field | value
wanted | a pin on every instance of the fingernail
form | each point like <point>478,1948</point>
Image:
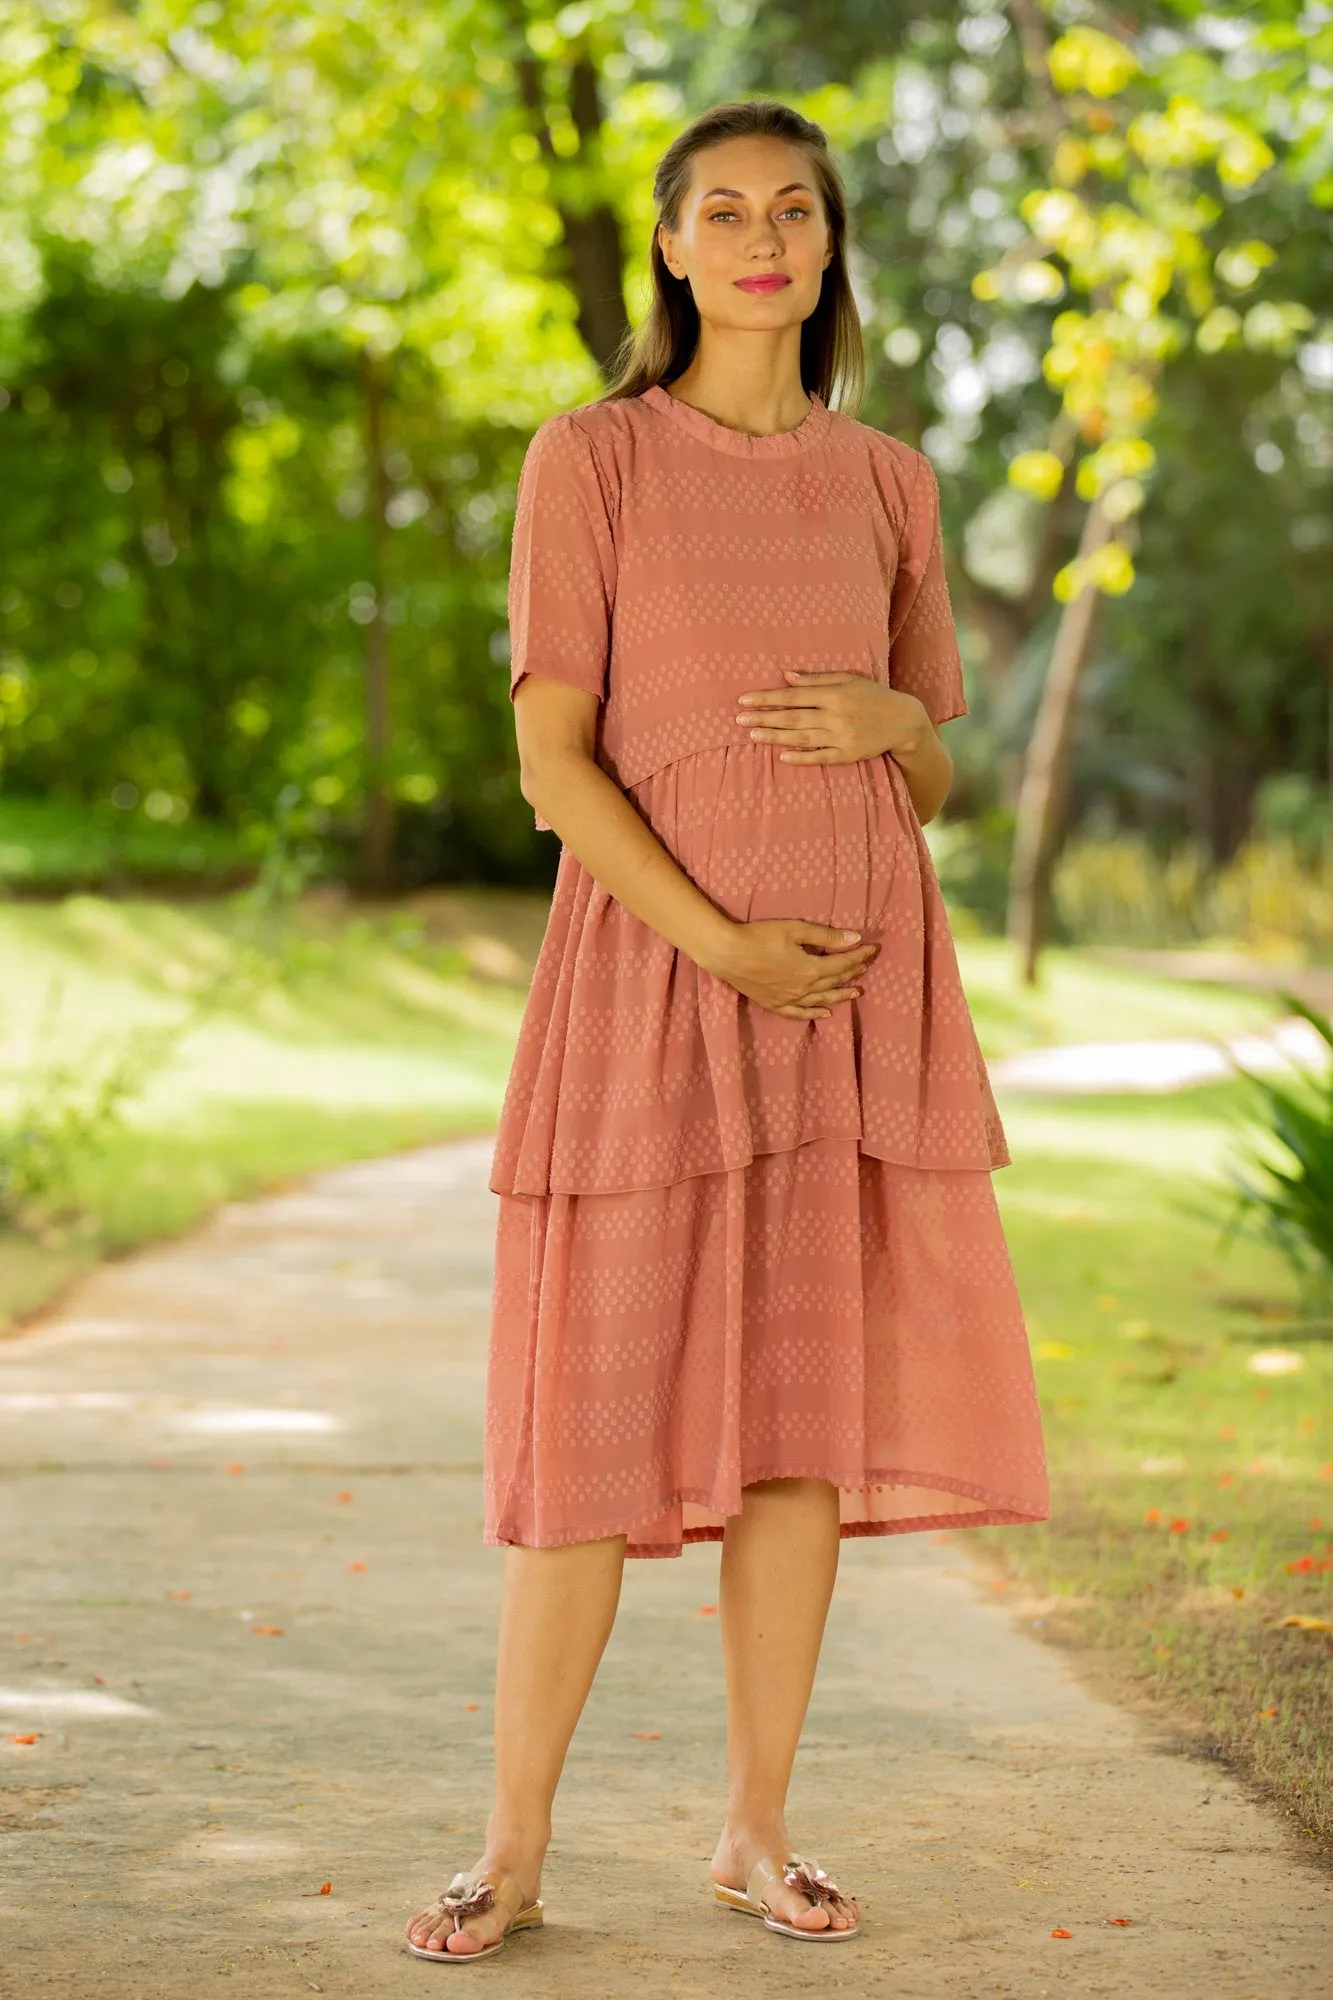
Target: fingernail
<point>851,936</point>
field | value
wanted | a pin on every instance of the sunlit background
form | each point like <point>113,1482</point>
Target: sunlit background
<point>284,291</point>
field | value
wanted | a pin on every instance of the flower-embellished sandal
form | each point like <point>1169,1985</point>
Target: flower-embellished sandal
<point>794,1874</point>
<point>472,1896</point>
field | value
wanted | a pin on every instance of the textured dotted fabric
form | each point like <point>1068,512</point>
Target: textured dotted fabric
<point>733,1246</point>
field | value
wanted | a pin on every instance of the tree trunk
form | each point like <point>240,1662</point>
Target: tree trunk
<point>377,832</point>
<point>593,253</point>
<point>1042,796</point>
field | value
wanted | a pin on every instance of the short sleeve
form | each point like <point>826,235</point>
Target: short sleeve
<point>562,570</point>
<point>923,645</point>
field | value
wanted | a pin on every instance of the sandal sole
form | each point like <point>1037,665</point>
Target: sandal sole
<point>736,1899</point>
<point>530,1919</point>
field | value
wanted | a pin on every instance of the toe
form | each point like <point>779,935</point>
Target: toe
<point>463,1942</point>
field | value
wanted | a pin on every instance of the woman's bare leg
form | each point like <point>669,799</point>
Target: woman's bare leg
<point>556,1615</point>
<point>779,1561</point>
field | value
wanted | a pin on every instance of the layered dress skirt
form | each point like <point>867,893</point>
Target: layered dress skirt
<point>731,1246</point>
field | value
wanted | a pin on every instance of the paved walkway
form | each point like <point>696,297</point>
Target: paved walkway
<point>1083,1069</point>
<point>249,1622</point>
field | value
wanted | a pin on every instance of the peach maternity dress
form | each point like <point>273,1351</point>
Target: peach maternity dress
<point>732,1246</point>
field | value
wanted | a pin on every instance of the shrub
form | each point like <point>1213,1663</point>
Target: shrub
<point>1284,1183</point>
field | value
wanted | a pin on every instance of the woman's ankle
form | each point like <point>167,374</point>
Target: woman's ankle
<point>517,1840</point>
<point>748,1832</point>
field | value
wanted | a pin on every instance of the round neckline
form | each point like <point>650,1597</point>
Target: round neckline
<point>721,437</point>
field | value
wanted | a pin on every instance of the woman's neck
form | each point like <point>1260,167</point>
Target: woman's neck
<point>761,396</point>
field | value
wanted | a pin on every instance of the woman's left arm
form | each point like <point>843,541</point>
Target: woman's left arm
<point>923,761</point>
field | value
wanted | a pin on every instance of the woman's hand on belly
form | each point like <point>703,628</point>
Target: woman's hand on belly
<point>792,967</point>
<point>834,719</point>
<point>842,718</point>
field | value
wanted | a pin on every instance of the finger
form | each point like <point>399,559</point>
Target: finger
<point>825,679</point>
<point>798,736</point>
<point>818,757</point>
<point>795,1013</point>
<point>838,964</point>
<point>778,716</point>
<point>771,698</point>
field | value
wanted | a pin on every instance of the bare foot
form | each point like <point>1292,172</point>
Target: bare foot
<point>517,1883</point>
<point>739,1849</point>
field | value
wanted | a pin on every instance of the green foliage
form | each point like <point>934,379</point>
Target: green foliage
<point>1284,1188</point>
<point>1275,893</point>
<point>65,1107</point>
<point>971,858</point>
<point>49,846</point>
<point>219,228</point>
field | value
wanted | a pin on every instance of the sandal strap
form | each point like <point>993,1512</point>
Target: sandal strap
<point>474,1895</point>
<point>795,1873</point>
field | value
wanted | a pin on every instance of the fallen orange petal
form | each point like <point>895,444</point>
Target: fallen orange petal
<point>326,1888</point>
<point>343,1498</point>
<point>98,1681</point>
<point>1221,1535</point>
<point>26,1739</point>
<point>647,1736</point>
<point>1062,1934</point>
<point>356,1566</point>
<point>473,1705</point>
<point>235,1470</point>
<point>708,1611</point>
<point>179,1595</point>
<point>267,1631</point>
<point>1120,1920</point>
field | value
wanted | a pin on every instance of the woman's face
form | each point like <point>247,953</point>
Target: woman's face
<point>752,216</point>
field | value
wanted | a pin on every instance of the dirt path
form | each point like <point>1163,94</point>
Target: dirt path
<point>196,1778</point>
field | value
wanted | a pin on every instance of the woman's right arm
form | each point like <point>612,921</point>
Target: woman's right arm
<point>770,961</point>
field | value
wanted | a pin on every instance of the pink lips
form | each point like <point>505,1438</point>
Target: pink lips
<point>773,283</point>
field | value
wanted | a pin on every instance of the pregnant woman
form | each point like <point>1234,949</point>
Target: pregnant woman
<point>750,1280</point>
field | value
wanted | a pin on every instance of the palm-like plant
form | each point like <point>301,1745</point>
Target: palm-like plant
<point>1284,1192</point>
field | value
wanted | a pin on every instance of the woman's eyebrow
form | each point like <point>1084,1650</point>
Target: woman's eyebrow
<point>790,188</point>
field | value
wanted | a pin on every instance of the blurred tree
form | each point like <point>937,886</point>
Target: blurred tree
<point>283,291</point>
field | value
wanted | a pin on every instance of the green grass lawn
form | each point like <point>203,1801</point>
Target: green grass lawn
<point>1193,1498</point>
<point>340,1035</point>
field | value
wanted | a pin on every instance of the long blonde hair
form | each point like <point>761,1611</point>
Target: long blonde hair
<point>662,347</point>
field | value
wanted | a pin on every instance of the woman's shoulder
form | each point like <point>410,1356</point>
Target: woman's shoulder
<point>881,447</point>
<point>901,475</point>
<point>598,425</point>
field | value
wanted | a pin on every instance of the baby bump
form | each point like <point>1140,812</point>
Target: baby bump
<point>762,838</point>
